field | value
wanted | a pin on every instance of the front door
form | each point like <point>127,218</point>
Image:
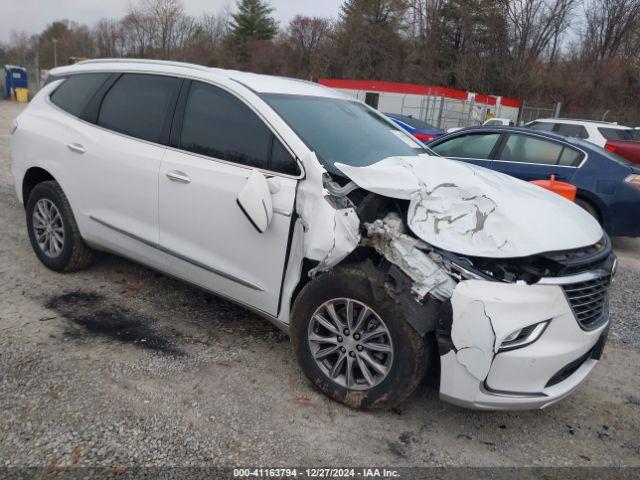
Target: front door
<point>207,237</point>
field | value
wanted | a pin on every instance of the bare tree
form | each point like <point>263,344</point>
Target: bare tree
<point>304,36</point>
<point>610,26</point>
<point>108,37</point>
<point>537,27</point>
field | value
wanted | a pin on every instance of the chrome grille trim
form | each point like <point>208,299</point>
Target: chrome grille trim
<point>588,296</point>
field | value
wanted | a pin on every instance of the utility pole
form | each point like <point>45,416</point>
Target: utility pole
<point>55,52</point>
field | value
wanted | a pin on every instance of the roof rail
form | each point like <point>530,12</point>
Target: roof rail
<point>146,61</point>
<point>585,120</point>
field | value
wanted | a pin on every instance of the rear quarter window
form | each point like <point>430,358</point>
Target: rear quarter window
<point>616,133</point>
<point>76,91</point>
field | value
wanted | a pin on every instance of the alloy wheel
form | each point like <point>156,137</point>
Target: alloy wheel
<point>48,227</point>
<point>350,343</point>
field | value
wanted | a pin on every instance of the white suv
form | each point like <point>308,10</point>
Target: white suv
<point>321,215</point>
<point>595,132</point>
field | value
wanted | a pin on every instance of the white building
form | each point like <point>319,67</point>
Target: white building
<point>440,106</point>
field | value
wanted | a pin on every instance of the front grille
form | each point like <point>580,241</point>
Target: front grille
<point>588,300</point>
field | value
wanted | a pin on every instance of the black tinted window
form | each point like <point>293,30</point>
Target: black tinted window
<point>569,130</point>
<point>545,126</point>
<point>74,93</point>
<point>140,105</point>
<point>219,125</point>
<point>617,133</point>
<point>468,146</point>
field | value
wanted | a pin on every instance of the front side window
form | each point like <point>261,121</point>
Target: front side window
<point>468,146</point>
<point>140,105</point>
<point>525,149</point>
<point>569,130</point>
<point>342,131</point>
<point>74,93</point>
<point>219,125</point>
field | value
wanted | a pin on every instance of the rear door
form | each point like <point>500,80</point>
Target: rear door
<point>531,157</point>
<point>116,162</point>
<point>218,141</point>
<point>475,148</point>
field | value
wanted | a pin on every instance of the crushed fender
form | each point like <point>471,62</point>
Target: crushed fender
<point>387,237</point>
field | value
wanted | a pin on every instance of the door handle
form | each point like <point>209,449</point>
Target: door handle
<point>76,148</point>
<point>178,176</point>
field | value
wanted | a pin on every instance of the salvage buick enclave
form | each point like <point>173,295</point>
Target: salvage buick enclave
<point>320,214</point>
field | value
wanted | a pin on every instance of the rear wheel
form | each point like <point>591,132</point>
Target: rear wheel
<point>53,231</point>
<point>357,349</point>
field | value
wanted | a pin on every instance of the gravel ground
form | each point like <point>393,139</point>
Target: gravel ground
<point>120,366</point>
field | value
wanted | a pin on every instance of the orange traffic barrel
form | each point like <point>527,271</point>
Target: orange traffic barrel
<point>564,189</point>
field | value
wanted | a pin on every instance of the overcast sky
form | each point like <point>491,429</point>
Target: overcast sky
<point>33,16</point>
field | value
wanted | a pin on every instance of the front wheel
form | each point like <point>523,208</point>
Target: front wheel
<point>358,350</point>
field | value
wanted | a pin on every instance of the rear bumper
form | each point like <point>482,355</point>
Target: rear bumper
<point>477,374</point>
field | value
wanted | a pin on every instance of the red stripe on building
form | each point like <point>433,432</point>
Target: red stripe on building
<point>510,102</point>
<point>393,87</point>
<point>485,99</point>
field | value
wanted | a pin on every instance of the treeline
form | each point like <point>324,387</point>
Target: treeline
<point>585,55</point>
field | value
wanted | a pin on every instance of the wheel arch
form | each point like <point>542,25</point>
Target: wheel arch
<point>32,177</point>
<point>593,201</point>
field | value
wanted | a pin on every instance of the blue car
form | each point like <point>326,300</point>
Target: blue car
<point>608,187</point>
<point>419,129</point>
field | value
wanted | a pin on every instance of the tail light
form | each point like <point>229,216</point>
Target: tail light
<point>611,148</point>
<point>424,137</point>
<point>634,181</point>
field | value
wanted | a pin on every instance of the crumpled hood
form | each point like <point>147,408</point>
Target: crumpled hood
<point>474,211</point>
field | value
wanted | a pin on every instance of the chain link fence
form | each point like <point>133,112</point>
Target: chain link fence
<point>442,112</point>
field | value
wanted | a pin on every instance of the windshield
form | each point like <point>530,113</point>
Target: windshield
<point>412,122</point>
<point>342,131</point>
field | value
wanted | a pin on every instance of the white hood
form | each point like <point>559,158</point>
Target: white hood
<point>474,211</point>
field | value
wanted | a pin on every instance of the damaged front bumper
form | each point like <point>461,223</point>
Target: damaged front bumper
<point>480,370</point>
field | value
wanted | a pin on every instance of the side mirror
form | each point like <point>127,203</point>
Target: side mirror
<point>255,201</point>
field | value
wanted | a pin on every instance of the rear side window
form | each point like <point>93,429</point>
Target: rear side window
<point>570,157</point>
<point>544,126</point>
<point>140,106</point>
<point>468,146</point>
<point>74,93</point>
<point>617,133</point>
<point>219,125</point>
<point>525,149</point>
<point>570,130</point>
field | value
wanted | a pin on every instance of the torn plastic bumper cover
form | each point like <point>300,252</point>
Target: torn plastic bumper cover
<point>476,372</point>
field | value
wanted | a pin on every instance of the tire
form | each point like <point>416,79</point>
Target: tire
<point>409,356</point>
<point>65,251</point>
